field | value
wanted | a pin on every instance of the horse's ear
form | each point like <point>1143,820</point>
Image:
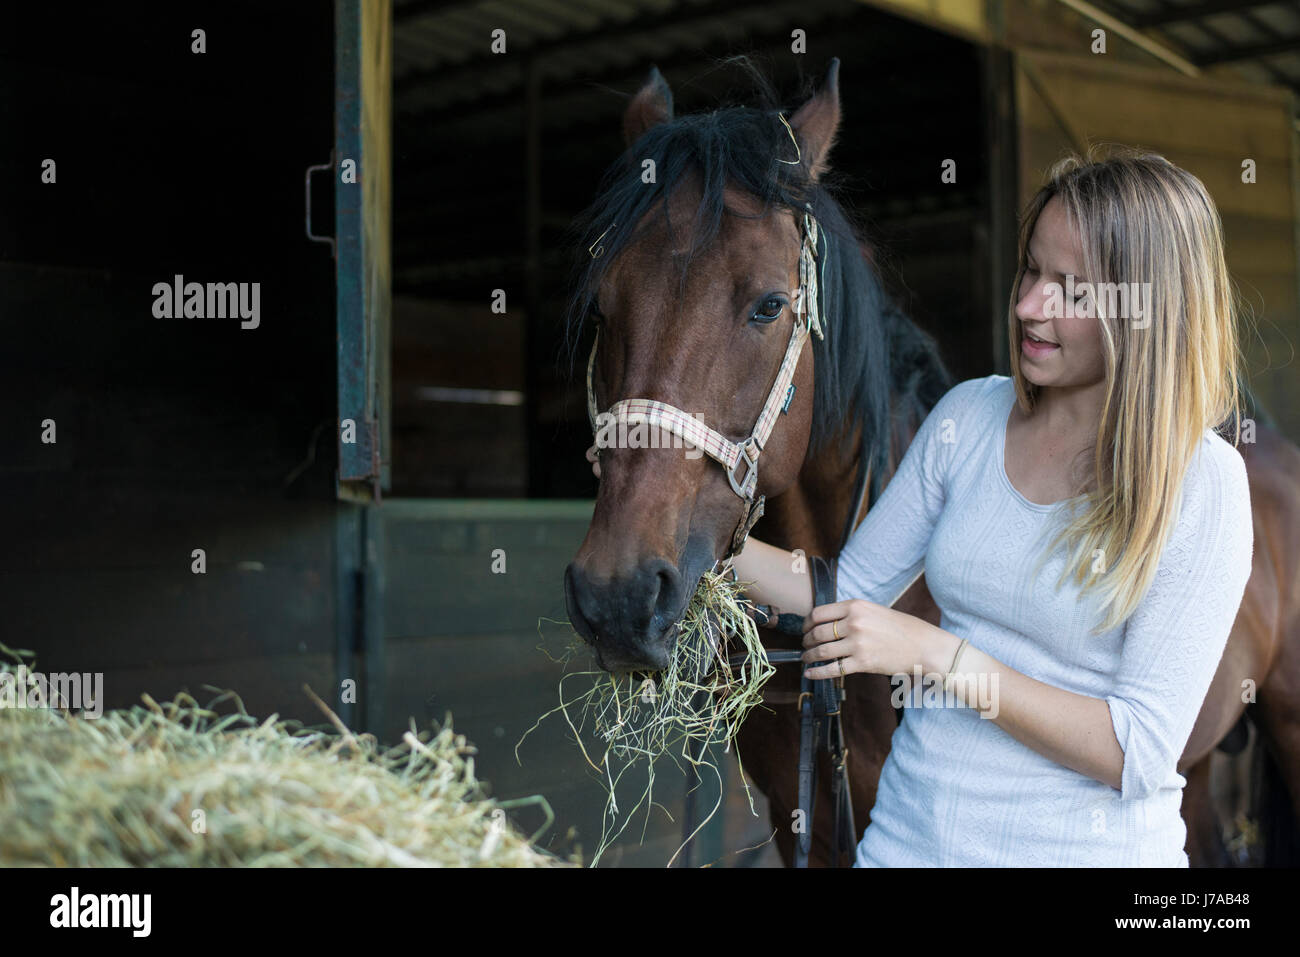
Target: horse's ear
<point>818,121</point>
<point>652,105</point>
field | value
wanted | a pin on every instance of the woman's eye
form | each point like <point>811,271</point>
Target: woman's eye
<point>769,310</point>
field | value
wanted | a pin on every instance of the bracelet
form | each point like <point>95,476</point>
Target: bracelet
<point>948,677</point>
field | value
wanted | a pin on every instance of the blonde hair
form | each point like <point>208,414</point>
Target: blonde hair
<point>1139,218</point>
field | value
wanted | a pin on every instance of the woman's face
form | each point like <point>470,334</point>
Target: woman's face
<point>1070,353</point>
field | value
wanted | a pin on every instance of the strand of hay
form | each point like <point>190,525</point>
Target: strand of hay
<point>699,701</point>
<point>177,785</point>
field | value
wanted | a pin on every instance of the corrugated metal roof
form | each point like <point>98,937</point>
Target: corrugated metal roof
<point>442,55</point>
<point>1259,39</point>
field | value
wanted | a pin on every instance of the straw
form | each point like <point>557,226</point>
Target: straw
<point>697,703</point>
<point>178,785</point>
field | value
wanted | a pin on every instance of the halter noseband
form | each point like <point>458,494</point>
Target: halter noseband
<point>730,455</point>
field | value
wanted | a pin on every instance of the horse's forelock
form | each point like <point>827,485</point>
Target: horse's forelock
<point>740,147</point>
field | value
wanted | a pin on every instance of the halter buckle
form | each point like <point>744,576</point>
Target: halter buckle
<point>745,487</point>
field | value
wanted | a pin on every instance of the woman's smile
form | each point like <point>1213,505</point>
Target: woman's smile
<point>1036,348</point>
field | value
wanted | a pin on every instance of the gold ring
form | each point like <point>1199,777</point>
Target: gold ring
<point>840,661</point>
<point>835,629</point>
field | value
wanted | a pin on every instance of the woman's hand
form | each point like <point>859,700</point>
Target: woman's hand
<point>594,459</point>
<point>871,639</point>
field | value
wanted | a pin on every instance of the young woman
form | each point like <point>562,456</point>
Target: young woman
<point>1085,532</point>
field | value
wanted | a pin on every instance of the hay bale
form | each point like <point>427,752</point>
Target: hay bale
<point>178,785</point>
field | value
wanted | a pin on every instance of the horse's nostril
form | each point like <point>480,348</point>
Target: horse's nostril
<point>667,602</point>
<point>629,621</point>
<point>577,618</point>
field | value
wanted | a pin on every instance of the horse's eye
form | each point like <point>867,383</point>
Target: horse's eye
<point>769,309</point>
<point>596,315</point>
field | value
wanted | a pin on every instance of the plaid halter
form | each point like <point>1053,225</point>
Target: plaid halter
<point>730,455</point>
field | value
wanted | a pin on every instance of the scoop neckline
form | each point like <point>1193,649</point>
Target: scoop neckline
<point>1002,463</point>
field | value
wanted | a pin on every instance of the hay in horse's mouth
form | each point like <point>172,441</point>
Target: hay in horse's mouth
<point>700,700</point>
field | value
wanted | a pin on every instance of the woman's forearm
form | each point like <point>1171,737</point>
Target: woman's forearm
<point>1072,729</point>
<point>780,578</point>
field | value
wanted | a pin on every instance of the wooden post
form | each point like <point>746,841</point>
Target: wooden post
<point>362,222</point>
<point>1003,190</point>
<point>535,355</point>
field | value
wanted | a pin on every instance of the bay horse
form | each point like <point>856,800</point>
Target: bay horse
<point>691,253</point>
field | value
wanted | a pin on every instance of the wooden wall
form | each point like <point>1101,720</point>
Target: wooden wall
<point>911,98</point>
<point>1208,127</point>
<point>457,449</point>
<point>172,434</point>
<point>461,638</point>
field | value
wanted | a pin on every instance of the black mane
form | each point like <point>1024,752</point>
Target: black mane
<point>871,351</point>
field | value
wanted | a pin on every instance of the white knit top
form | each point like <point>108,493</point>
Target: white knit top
<point>957,790</point>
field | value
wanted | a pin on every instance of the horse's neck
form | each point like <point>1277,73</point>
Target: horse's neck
<point>810,515</point>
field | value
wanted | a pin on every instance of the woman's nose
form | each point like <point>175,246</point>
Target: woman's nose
<point>1030,305</point>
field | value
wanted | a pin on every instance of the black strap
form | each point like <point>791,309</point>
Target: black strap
<point>807,773</point>
<point>823,703</point>
<point>767,616</point>
<point>820,700</point>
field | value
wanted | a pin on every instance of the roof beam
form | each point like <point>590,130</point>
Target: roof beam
<point>619,76</point>
<point>419,8</point>
<point>676,18</point>
<point>1192,11</point>
<point>1250,51</point>
<point>1215,34</point>
<point>1126,30</point>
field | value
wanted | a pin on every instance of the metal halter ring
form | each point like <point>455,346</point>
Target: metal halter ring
<point>840,662</point>
<point>749,450</point>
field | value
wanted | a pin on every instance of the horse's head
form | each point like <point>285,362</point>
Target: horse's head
<point>692,281</point>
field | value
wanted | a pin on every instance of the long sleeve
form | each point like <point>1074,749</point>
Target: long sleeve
<point>1174,639</point>
<point>887,551</point>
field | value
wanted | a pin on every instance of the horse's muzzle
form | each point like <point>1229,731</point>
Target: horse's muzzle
<point>631,621</point>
